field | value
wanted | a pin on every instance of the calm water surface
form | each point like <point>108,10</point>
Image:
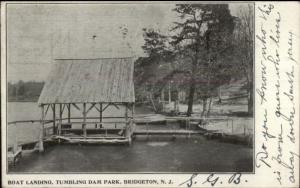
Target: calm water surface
<point>155,154</point>
<point>195,154</point>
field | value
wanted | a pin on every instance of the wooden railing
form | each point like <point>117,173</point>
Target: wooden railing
<point>129,125</point>
<point>73,118</point>
<point>28,121</point>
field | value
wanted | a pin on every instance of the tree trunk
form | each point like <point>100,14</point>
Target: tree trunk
<point>191,99</point>
<point>209,107</point>
<point>219,95</point>
<point>152,102</point>
<point>170,100</point>
<point>162,95</point>
<point>250,99</point>
<point>192,89</point>
<point>204,107</point>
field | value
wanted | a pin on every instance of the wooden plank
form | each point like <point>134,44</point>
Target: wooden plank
<point>28,121</point>
<point>166,132</point>
<point>93,129</point>
<point>92,141</point>
<point>93,122</point>
<point>106,117</point>
<point>91,137</point>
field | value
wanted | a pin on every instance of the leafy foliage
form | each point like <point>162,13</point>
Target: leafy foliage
<point>201,47</point>
<point>24,91</point>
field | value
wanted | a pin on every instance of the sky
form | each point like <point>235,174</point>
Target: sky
<point>39,33</point>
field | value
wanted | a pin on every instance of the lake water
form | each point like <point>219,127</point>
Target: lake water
<point>195,154</point>
<point>27,132</point>
<point>155,154</point>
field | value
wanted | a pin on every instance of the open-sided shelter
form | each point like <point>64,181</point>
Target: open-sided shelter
<point>85,84</point>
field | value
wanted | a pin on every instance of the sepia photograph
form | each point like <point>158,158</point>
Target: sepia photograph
<point>130,88</point>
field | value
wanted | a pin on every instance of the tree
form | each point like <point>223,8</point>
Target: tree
<point>203,35</point>
<point>149,68</point>
<point>199,46</point>
<point>155,44</point>
<point>243,40</point>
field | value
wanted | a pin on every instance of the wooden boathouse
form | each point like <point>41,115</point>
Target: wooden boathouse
<point>84,85</point>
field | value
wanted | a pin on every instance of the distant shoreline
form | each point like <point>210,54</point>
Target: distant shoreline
<point>21,100</point>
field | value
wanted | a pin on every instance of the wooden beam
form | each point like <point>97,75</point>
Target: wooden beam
<point>47,109</point>
<point>129,106</point>
<point>84,120</point>
<point>98,108</point>
<point>54,119</point>
<point>126,120</point>
<point>69,113</point>
<point>133,109</point>
<point>106,107</point>
<point>60,119</point>
<point>41,136</point>
<point>76,106</point>
<point>90,108</point>
<point>63,108</point>
<point>115,105</point>
<point>126,112</point>
<point>101,111</point>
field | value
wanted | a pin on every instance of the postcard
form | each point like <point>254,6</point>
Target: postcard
<point>150,94</point>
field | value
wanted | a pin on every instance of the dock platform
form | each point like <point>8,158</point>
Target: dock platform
<point>167,132</point>
<point>92,139</point>
<point>14,156</point>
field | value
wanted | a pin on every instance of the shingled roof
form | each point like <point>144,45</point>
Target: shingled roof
<point>89,81</point>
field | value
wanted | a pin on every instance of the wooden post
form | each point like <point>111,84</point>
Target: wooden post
<point>232,126</point>
<point>69,113</point>
<point>189,122</point>
<point>60,119</point>
<point>126,112</point>
<point>132,113</point>
<point>41,137</point>
<point>126,120</point>
<point>15,146</point>
<point>84,120</point>
<point>170,100</point>
<point>147,129</point>
<point>100,115</point>
<point>130,132</point>
<point>186,127</point>
<point>54,119</point>
<point>173,130</point>
<point>128,124</point>
<point>227,122</point>
<point>162,95</point>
